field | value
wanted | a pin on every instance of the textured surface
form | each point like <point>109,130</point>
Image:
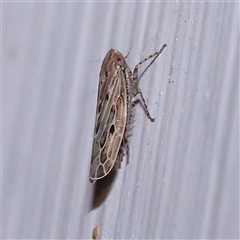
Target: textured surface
<point>183,177</point>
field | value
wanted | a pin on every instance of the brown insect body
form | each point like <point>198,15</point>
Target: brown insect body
<point>117,87</point>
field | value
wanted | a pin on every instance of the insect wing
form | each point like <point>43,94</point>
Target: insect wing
<point>111,115</point>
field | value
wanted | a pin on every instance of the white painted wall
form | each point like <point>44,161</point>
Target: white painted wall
<point>183,177</point>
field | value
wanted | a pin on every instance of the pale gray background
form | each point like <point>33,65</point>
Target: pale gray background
<point>183,177</point>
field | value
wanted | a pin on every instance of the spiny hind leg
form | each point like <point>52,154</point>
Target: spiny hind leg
<point>123,151</point>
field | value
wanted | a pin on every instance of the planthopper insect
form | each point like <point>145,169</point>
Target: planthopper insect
<point>118,86</point>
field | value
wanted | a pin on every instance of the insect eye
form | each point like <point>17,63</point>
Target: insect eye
<point>119,59</point>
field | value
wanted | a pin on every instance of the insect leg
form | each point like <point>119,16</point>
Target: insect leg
<point>135,79</point>
<point>135,90</point>
<point>155,55</point>
<point>145,108</point>
<point>124,150</point>
<point>125,145</point>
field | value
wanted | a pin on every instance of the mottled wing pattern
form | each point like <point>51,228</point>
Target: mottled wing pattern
<point>111,115</point>
<point>118,85</point>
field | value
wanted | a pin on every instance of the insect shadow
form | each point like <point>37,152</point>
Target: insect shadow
<point>102,189</point>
